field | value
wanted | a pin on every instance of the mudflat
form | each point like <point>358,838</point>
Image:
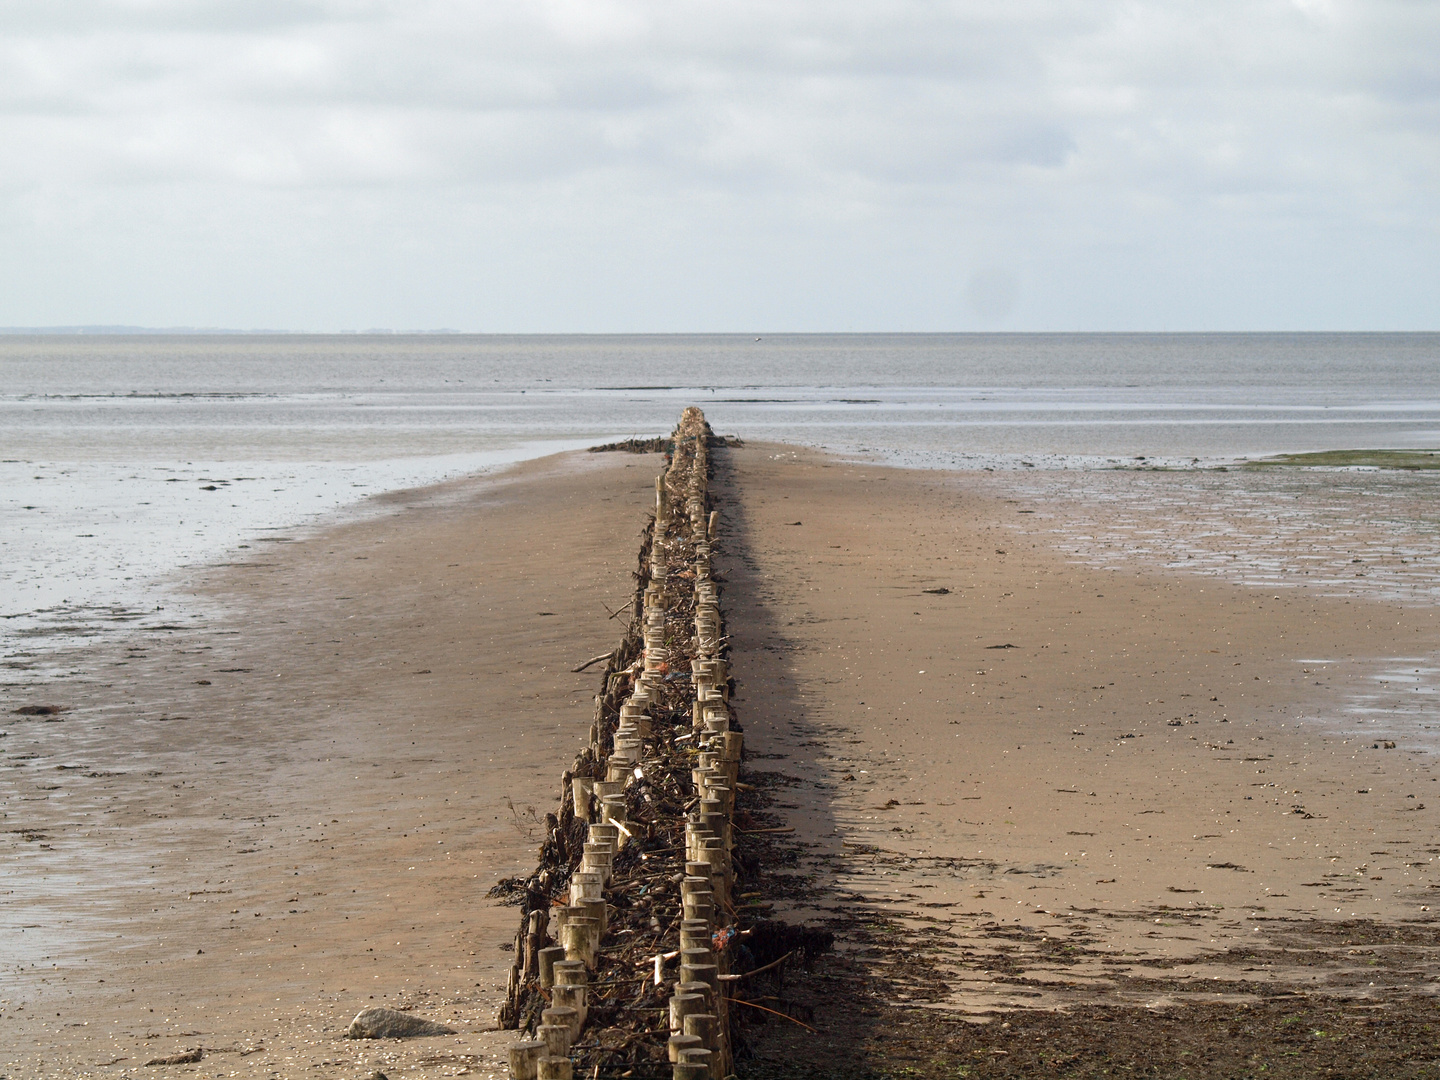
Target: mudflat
<point>235,838</point>
<point>1044,796</point>
<point>1030,795</point>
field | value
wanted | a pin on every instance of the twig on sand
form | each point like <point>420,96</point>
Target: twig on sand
<point>758,971</point>
<point>593,660</point>
<point>762,1008</point>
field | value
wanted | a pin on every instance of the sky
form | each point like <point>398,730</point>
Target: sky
<point>729,165</point>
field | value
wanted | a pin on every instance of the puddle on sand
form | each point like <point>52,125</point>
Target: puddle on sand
<point>60,642</point>
<point>1395,699</point>
<point>1334,532</point>
<point>60,899</point>
<point>1330,532</point>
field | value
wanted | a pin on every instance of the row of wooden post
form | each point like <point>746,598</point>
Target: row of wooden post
<point>698,1043</point>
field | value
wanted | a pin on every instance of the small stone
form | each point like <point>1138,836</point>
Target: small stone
<point>376,1023</point>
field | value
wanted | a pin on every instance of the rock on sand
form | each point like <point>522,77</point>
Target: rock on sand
<point>392,1024</point>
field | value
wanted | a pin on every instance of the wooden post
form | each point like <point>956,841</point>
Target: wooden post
<point>548,956</point>
<point>524,1056</point>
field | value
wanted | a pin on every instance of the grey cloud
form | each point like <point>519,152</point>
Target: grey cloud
<point>83,17</point>
<point>1096,133</point>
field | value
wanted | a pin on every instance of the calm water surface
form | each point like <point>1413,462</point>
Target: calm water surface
<point>125,457</point>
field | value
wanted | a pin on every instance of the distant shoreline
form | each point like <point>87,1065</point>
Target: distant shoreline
<point>125,330</point>
<point>205,331</point>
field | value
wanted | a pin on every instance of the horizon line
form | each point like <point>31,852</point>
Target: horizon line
<point>125,330</point>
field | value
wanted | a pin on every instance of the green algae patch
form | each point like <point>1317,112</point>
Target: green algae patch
<point>1341,459</point>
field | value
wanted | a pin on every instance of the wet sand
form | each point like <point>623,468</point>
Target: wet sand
<point>252,828</point>
<point>238,837</point>
<point>1144,763</point>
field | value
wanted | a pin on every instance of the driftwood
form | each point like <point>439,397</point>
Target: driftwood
<point>592,661</point>
<point>187,1057</point>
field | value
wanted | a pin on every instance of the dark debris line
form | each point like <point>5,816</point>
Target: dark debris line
<point>639,927</point>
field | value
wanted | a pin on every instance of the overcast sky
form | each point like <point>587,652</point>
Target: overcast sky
<point>672,165</point>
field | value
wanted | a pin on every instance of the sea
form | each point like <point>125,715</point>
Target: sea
<point>127,459</point>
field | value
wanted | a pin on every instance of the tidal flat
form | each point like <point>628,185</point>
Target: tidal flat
<point>1062,753</point>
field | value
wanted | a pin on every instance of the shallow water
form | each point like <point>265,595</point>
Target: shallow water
<point>84,542</point>
<point>125,458</point>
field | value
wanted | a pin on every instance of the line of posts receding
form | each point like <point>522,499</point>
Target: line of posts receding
<point>647,806</point>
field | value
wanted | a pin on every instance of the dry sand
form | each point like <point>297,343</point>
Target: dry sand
<point>1059,779</point>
